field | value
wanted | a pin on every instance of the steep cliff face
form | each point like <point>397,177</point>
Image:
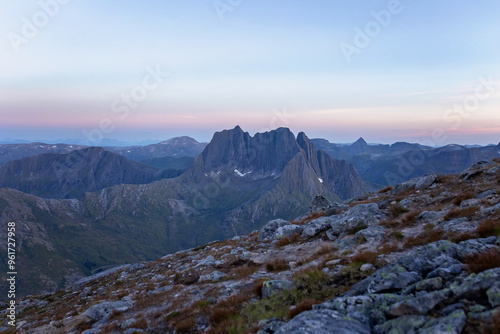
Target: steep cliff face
<point>267,155</point>
<point>71,175</point>
<point>261,155</point>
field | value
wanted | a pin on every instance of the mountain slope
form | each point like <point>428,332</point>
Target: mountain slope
<point>384,165</point>
<point>368,268</point>
<point>71,175</point>
<point>236,185</point>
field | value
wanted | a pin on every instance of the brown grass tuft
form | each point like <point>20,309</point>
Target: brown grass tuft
<point>410,218</point>
<point>489,228</point>
<point>444,178</point>
<point>396,210</point>
<point>304,305</point>
<point>309,218</point>
<point>140,323</point>
<point>484,261</point>
<point>462,197</point>
<point>293,239</point>
<point>277,265</point>
<point>186,325</point>
<point>384,190</point>
<point>425,238</point>
<point>459,213</point>
<point>365,257</point>
<point>244,271</point>
<point>388,248</point>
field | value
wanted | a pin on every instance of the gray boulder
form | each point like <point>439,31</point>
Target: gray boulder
<point>102,311</point>
<point>474,286</point>
<point>392,278</point>
<point>370,309</point>
<point>419,305</point>
<point>214,276</point>
<point>475,246</point>
<point>287,231</point>
<point>430,284</point>
<point>357,218</point>
<point>493,294</point>
<point>269,288</point>
<point>458,225</point>
<point>323,322</point>
<point>408,324</point>
<point>372,234</point>
<point>268,231</point>
<point>316,226</point>
<point>271,326</point>
<point>452,324</point>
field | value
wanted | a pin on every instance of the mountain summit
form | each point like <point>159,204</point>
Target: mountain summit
<point>269,155</point>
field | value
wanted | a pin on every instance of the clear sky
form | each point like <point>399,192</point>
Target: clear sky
<point>418,71</point>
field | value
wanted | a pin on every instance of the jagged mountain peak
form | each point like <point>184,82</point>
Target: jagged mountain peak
<point>359,146</point>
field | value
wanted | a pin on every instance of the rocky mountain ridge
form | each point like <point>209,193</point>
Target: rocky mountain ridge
<point>420,257</point>
<point>385,165</point>
<point>212,200</point>
<point>72,174</point>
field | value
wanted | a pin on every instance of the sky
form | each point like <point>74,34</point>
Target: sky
<point>417,71</point>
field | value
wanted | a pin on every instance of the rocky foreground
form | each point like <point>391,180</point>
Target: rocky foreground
<point>419,257</point>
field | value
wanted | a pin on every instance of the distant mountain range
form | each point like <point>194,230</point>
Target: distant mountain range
<point>175,147</point>
<point>235,185</point>
<point>384,165</point>
<point>81,208</point>
<point>70,175</point>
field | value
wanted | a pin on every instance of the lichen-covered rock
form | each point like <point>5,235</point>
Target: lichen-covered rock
<point>419,305</point>
<point>370,309</point>
<point>426,258</point>
<point>268,231</point>
<point>447,270</point>
<point>346,243</point>
<point>452,324</point>
<point>430,216</point>
<point>319,203</point>
<point>269,288</point>
<point>409,324</point>
<point>493,294</point>
<point>287,231</point>
<point>430,284</point>
<point>323,322</point>
<point>391,278</point>
<point>358,217</point>
<point>316,226</point>
<point>458,225</point>
<point>475,246</point>
<point>473,286</point>
<point>270,326</point>
<point>372,234</point>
